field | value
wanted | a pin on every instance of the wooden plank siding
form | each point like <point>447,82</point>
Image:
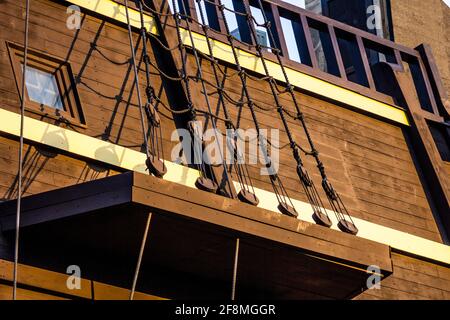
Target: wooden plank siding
<point>413,279</point>
<point>39,284</point>
<point>367,160</point>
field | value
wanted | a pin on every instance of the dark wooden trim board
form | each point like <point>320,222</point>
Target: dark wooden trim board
<point>211,215</point>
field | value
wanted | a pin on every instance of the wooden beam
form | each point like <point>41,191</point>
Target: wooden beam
<point>429,156</point>
<point>196,204</point>
<point>239,217</point>
<point>44,284</point>
<point>281,37</point>
<point>440,92</point>
<point>337,52</point>
<point>365,60</point>
<point>309,41</point>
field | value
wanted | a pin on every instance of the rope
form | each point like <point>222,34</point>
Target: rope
<point>306,182</point>
<point>200,73</point>
<point>136,79</point>
<point>242,171</point>
<point>22,118</point>
<point>333,198</point>
<point>151,111</point>
<point>235,270</point>
<point>185,78</point>
<point>141,254</point>
<point>277,185</point>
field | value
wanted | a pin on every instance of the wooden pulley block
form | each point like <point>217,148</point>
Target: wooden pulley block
<point>248,197</point>
<point>348,227</point>
<point>206,184</point>
<point>322,219</point>
<point>287,210</point>
<point>156,166</point>
<point>153,115</point>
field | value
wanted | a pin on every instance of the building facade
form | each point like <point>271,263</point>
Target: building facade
<point>340,192</point>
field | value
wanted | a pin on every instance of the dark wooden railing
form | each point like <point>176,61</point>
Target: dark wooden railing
<point>348,56</point>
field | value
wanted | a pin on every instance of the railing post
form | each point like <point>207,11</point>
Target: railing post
<point>337,52</point>
<point>365,60</point>
<point>279,30</point>
<point>309,41</point>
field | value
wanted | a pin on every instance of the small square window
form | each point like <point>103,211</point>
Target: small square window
<point>42,88</point>
<point>50,89</point>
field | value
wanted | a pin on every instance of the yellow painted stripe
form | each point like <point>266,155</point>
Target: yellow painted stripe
<point>301,80</point>
<point>95,149</point>
<point>89,147</point>
<point>251,62</point>
<point>117,12</point>
<point>399,240</point>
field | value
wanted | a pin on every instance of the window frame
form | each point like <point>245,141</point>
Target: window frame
<point>72,112</point>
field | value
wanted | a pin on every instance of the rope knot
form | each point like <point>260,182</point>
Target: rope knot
<point>329,190</point>
<point>304,176</point>
<point>296,152</point>
<point>146,58</point>
<point>150,92</point>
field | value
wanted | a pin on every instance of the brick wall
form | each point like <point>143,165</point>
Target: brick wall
<point>424,21</point>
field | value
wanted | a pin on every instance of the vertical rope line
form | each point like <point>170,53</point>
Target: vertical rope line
<point>155,139</point>
<point>184,77</point>
<point>205,93</point>
<point>244,181</point>
<point>335,201</point>
<point>309,184</point>
<point>235,270</point>
<point>136,80</point>
<point>20,173</point>
<point>141,254</point>
<point>274,179</point>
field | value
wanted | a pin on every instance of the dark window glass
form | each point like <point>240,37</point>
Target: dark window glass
<point>295,37</point>
<point>351,57</point>
<point>323,47</point>
<point>441,136</point>
<point>419,82</point>
<point>360,13</point>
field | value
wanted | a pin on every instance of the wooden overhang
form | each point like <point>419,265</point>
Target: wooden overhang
<point>190,251</point>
